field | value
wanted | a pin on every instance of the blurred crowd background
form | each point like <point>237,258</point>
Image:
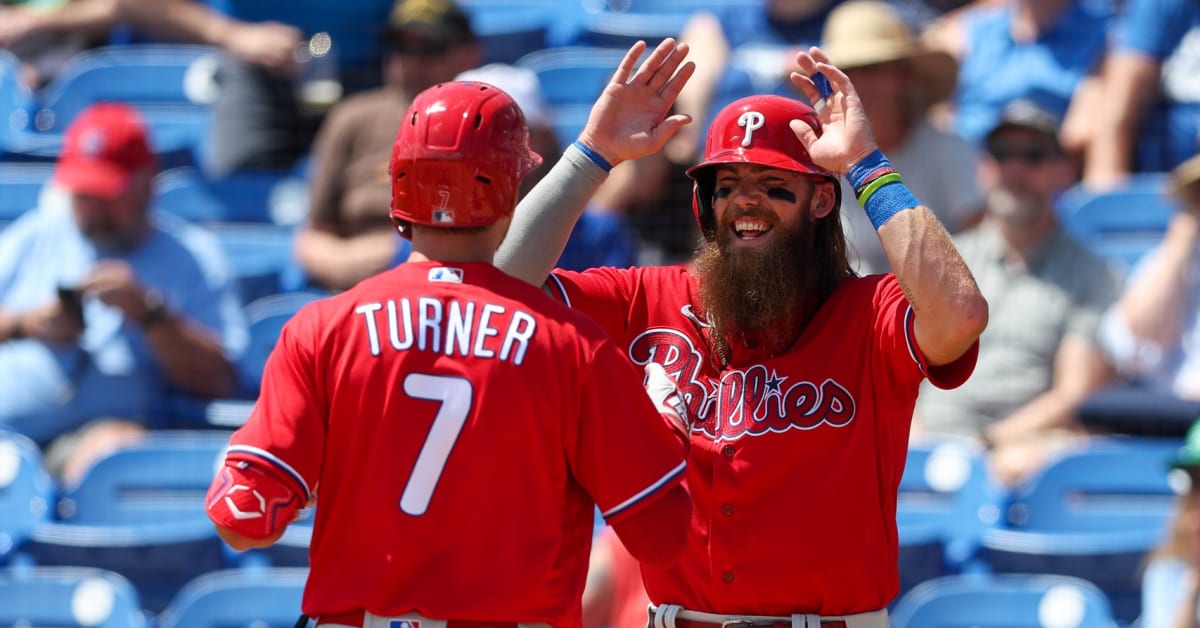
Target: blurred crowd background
<point>178,177</point>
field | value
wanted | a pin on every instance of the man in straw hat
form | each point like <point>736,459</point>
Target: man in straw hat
<point>898,79</point>
<point>1152,333</point>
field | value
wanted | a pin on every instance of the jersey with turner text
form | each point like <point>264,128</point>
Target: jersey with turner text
<point>795,458</point>
<point>456,426</point>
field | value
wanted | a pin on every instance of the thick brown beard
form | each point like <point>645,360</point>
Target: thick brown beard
<point>772,290</point>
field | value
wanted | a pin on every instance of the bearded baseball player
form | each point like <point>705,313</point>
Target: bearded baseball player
<point>456,423</point>
<point>800,377</point>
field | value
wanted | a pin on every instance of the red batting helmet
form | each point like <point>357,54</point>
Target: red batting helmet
<point>459,157</point>
<point>753,130</point>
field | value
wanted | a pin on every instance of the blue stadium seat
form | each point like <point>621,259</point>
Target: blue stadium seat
<point>22,185</point>
<point>622,30</point>
<point>676,6</point>
<point>68,596</point>
<point>266,317</point>
<point>16,106</point>
<point>507,33</point>
<point>983,601</point>
<point>947,498</point>
<point>260,597</point>
<point>140,512</point>
<point>267,197</point>
<point>573,74</point>
<point>1121,224</point>
<point>1092,512</point>
<point>172,85</point>
<point>26,491</point>
<point>259,255</point>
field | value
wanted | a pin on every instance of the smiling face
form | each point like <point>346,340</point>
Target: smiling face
<point>778,251</point>
<point>751,202</point>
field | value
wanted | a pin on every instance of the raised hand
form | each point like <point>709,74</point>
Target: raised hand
<point>846,134</point>
<point>630,120</point>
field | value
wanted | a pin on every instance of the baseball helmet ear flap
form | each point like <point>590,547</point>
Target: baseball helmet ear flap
<point>459,157</point>
<point>753,130</point>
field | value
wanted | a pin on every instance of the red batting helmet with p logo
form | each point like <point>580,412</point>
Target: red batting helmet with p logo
<point>753,130</point>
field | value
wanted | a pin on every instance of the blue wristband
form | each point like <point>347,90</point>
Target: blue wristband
<point>593,155</point>
<point>859,171</point>
<point>888,201</point>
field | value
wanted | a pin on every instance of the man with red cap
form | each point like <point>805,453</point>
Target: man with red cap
<point>800,377</point>
<point>104,305</point>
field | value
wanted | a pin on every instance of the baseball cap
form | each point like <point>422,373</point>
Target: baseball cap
<point>102,149</point>
<point>1028,113</point>
<point>439,21</point>
<point>1189,454</point>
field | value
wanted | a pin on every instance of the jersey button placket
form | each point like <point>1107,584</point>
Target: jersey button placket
<point>727,577</point>
<point>727,510</point>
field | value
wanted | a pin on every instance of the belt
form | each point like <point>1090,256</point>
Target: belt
<point>749,623</point>
<point>736,622</point>
<point>356,618</point>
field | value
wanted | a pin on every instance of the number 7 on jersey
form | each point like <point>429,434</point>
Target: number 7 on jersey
<point>455,395</point>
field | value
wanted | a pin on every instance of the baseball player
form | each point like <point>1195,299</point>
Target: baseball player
<point>799,376</point>
<point>456,423</point>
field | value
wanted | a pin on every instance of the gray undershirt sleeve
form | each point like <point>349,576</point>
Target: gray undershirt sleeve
<point>543,220</point>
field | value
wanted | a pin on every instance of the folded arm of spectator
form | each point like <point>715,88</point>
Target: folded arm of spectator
<point>269,44</point>
<point>1129,83</point>
<point>87,17</point>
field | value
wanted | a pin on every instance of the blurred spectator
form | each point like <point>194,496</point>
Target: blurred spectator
<point>1150,119</point>
<point>349,235</point>
<point>759,41</point>
<point>898,79</point>
<point>1171,581</point>
<point>1039,356</point>
<point>615,595</point>
<point>105,307</point>
<point>1152,334</point>
<point>288,62</point>
<point>1007,50</point>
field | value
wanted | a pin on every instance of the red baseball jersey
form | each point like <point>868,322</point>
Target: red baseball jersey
<point>796,458</point>
<point>456,425</point>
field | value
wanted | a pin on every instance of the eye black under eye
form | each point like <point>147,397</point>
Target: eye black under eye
<point>781,194</point>
<point>723,192</point>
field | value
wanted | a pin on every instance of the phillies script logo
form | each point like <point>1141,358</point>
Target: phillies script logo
<point>754,401</point>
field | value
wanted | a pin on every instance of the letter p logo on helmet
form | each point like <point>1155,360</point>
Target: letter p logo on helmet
<point>751,121</point>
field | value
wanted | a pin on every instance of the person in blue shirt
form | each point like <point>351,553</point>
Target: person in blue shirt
<point>1008,50</point>
<point>105,307</point>
<point>1150,121</point>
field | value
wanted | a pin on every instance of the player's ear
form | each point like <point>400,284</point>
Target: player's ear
<point>824,197</point>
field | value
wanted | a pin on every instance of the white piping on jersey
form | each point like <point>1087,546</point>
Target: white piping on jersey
<point>276,461</point>
<point>686,310</point>
<point>908,338</point>
<point>646,491</point>
<point>562,290</point>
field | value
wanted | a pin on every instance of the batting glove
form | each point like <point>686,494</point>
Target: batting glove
<point>667,399</point>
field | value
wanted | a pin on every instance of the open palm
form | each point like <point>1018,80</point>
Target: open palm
<point>630,120</point>
<point>846,134</point>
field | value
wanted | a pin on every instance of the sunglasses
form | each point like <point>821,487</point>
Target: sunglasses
<point>1032,154</point>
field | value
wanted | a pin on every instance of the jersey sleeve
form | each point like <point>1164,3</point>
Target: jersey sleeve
<point>286,429</point>
<point>621,450</point>
<point>603,294</point>
<point>894,320</point>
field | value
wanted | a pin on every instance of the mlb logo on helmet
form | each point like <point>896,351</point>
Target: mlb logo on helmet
<point>404,623</point>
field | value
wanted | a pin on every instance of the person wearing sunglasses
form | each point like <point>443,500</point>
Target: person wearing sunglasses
<point>1039,357</point>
